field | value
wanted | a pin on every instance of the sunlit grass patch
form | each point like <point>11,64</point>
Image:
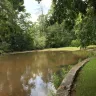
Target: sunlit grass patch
<point>63,49</point>
<point>92,46</point>
<point>68,48</point>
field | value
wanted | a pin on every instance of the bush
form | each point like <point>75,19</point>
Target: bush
<point>4,47</point>
<point>39,43</point>
<point>75,43</point>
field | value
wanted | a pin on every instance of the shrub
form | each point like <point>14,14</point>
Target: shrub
<point>75,43</point>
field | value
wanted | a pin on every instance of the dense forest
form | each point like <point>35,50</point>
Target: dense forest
<point>68,23</point>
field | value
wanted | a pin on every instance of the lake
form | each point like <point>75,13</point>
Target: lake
<point>30,74</point>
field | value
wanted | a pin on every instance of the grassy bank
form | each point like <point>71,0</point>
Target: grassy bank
<point>44,50</point>
<point>85,84</point>
<point>73,49</point>
<point>68,48</point>
<point>63,49</point>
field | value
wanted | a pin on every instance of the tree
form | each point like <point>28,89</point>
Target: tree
<point>14,27</point>
<point>59,36</point>
<point>85,29</point>
<point>6,22</point>
<point>17,5</point>
<point>69,10</point>
<point>21,38</point>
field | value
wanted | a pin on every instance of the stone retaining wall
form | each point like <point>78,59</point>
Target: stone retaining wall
<point>65,87</point>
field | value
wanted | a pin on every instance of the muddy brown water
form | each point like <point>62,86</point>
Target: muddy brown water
<point>30,74</point>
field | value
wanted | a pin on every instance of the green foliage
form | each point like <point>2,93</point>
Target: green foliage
<point>4,47</point>
<point>58,36</point>
<point>38,32</point>
<point>59,75</point>
<point>85,29</point>
<point>79,16</point>
<point>69,9</point>
<point>75,43</point>
<point>39,42</point>
<point>14,27</point>
<point>20,42</point>
<point>17,5</point>
<point>68,23</point>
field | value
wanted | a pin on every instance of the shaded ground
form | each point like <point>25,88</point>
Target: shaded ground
<point>85,83</point>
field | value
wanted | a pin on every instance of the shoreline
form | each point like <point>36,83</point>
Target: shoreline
<point>65,87</point>
<point>45,50</point>
<point>72,49</point>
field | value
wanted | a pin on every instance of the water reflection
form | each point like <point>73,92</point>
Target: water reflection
<point>30,74</point>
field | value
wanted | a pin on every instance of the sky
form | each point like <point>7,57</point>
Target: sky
<point>34,8</point>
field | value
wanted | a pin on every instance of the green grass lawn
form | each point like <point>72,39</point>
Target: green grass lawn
<point>63,49</point>
<point>86,80</point>
<point>67,48</point>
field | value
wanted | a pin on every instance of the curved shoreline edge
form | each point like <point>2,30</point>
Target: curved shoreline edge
<point>66,85</point>
<point>44,50</point>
